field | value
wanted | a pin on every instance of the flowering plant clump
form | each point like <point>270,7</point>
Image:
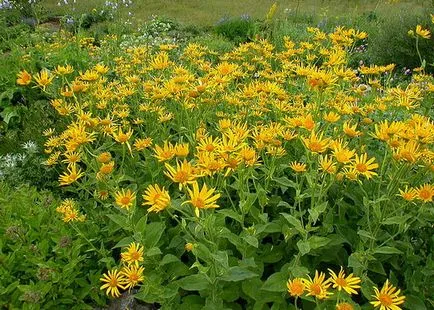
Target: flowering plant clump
<point>228,178</point>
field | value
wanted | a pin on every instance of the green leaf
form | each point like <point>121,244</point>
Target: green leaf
<point>397,220</point>
<point>141,224</point>
<point>236,273</point>
<point>153,251</point>
<point>285,182</point>
<point>387,250</point>
<point>153,233</point>
<point>195,282</point>
<point>294,222</point>
<point>231,214</point>
<point>276,282</point>
<point>303,247</point>
<point>252,240</point>
<point>316,242</point>
<point>120,220</point>
<point>123,242</point>
<point>415,302</point>
<point>169,258</point>
<point>8,113</point>
<point>316,211</point>
<point>365,234</point>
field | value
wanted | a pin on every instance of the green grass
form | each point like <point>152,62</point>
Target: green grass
<point>201,12</point>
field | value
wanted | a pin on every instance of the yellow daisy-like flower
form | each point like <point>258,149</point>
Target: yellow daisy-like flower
<point>44,78</point>
<point>157,198</point>
<point>134,254</point>
<point>344,306</point>
<point>363,166</point>
<point>295,287</point>
<point>71,175</point>
<point>184,173</point>
<point>297,167</point>
<point>423,33</point>
<point>425,192</point>
<point>388,297</point>
<point>408,194</point>
<point>125,199</point>
<point>164,153</point>
<point>114,280</point>
<point>318,286</point>
<point>24,78</point>
<point>202,199</point>
<point>133,275</point>
<point>349,284</point>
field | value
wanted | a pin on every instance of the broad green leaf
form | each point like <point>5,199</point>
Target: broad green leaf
<point>169,258</point>
<point>236,273</point>
<point>231,214</point>
<point>152,251</point>
<point>252,240</point>
<point>294,222</point>
<point>124,242</point>
<point>195,282</point>
<point>153,233</point>
<point>120,220</point>
<point>276,282</point>
<point>303,247</point>
<point>415,302</point>
<point>316,242</point>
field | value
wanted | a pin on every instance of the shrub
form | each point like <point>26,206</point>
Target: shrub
<point>239,29</point>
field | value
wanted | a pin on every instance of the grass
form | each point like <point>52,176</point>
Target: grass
<point>208,12</point>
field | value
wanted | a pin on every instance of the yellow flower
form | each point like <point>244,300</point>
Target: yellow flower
<point>315,143</point>
<point>133,275</point>
<point>134,254</point>
<point>295,287</point>
<point>388,297</point>
<point>344,306</point>
<point>342,154</point>
<point>348,284</point>
<point>423,33</point>
<point>125,199</point>
<point>156,197</point>
<point>181,150</point>
<point>297,167</point>
<point>364,166</point>
<point>351,130</point>
<point>62,70</point>
<point>70,176</point>
<point>408,194</point>
<point>184,173</point>
<point>327,164</point>
<point>318,286</point>
<point>189,247</point>
<point>425,192</point>
<point>164,153</point>
<point>107,168</point>
<point>202,199</point>
<point>24,78</point>
<point>122,137</point>
<point>113,281</point>
<point>44,78</point>
<point>104,157</point>
<point>141,144</point>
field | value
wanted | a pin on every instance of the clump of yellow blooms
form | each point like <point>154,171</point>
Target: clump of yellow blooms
<point>157,125</point>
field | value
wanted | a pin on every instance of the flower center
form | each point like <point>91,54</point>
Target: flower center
<point>125,200</point>
<point>341,282</point>
<point>315,289</point>
<point>361,167</point>
<point>385,300</point>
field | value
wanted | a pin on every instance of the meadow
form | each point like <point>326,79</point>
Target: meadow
<point>216,155</point>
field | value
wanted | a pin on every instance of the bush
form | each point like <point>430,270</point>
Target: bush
<point>239,30</point>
